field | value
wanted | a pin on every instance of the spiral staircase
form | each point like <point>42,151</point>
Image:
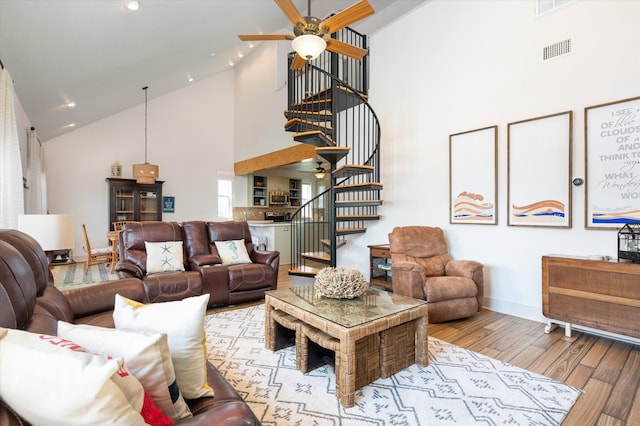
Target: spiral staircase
<point>328,108</point>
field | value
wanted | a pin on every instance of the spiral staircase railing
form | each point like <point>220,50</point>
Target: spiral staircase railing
<point>328,107</point>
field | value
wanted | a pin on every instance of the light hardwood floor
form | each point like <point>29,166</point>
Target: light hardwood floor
<point>607,370</point>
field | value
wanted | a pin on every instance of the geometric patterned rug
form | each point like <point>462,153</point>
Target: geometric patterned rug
<point>458,387</point>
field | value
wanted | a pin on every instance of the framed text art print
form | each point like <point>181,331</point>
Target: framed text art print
<point>539,171</point>
<point>612,169</point>
<point>473,179</point>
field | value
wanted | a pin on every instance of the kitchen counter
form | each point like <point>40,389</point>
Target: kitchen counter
<point>276,234</point>
<point>265,223</point>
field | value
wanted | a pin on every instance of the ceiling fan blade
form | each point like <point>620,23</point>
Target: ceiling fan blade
<point>290,10</point>
<point>348,16</point>
<point>260,37</point>
<point>298,62</point>
<point>337,46</point>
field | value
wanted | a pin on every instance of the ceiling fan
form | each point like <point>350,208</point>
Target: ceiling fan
<point>320,171</point>
<point>308,31</point>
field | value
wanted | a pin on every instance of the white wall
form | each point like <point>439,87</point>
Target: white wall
<point>190,136</point>
<point>469,64</point>
<point>448,67</point>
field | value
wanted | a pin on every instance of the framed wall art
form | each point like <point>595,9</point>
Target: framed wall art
<point>612,169</point>
<point>473,179</point>
<point>539,171</point>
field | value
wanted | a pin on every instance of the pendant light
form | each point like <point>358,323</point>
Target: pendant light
<point>145,173</point>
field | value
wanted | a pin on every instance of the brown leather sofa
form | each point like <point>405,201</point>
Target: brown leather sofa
<point>204,271</point>
<point>29,301</point>
<point>423,268</point>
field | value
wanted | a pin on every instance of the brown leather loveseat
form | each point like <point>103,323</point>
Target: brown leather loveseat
<point>204,271</point>
<point>30,302</point>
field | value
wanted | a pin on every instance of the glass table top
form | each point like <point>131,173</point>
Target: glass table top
<point>373,305</point>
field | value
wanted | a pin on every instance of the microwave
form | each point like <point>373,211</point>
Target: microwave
<point>278,197</point>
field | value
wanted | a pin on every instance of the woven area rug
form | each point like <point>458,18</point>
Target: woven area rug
<point>73,276</point>
<point>459,387</point>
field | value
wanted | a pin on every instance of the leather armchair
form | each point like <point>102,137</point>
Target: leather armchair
<point>160,287</point>
<point>229,284</point>
<point>423,268</point>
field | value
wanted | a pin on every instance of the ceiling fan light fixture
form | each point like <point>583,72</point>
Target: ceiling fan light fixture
<point>309,46</point>
<point>320,171</point>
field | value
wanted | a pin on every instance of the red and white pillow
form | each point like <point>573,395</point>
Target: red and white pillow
<point>49,380</point>
<point>146,355</point>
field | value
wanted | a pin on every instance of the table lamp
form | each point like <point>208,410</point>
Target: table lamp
<point>54,232</point>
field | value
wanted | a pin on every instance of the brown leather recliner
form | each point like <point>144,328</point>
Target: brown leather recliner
<point>423,268</point>
<point>29,301</point>
<point>163,286</point>
<point>229,284</point>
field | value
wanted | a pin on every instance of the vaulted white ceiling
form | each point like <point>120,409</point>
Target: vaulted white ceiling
<point>99,55</point>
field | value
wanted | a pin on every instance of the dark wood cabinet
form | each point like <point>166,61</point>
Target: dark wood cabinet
<point>129,200</point>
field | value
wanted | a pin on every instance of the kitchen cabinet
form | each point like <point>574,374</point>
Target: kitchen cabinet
<point>129,200</point>
<point>258,190</point>
<point>295,192</point>
<point>282,236</point>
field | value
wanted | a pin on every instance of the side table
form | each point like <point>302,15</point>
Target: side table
<point>380,266</point>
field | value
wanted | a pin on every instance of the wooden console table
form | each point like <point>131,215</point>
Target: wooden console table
<point>603,295</point>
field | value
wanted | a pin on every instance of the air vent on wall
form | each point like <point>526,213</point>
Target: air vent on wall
<point>555,50</point>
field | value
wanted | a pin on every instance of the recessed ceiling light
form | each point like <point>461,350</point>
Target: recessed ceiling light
<point>230,63</point>
<point>190,79</point>
<point>133,5</point>
<point>250,45</point>
<point>212,54</point>
<point>71,125</point>
<point>240,55</point>
<point>71,104</point>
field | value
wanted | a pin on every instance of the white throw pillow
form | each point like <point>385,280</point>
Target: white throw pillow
<point>51,381</point>
<point>183,323</point>
<point>164,257</point>
<point>232,252</point>
<point>146,355</point>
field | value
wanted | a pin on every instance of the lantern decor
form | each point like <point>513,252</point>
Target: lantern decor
<point>340,283</point>
<point>629,242</point>
<point>145,173</point>
<point>116,169</point>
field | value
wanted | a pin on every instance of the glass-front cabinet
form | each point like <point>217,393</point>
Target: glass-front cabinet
<point>129,200</point>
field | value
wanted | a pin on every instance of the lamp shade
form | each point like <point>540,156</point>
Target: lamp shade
<point>309,46</point>
<point>51,231</point>
<point>145,173</point>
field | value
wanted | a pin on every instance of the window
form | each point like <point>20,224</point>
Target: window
<point>306,193</point>
<point>225,198</point>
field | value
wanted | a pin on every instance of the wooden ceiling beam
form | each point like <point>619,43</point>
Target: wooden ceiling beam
<point>279,158</point>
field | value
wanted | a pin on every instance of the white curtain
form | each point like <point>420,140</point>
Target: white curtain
<point>11,186</point>
<point>36,178</point>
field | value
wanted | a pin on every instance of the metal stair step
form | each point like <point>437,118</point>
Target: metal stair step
<point>311,115</point>
<point>356,217</point>
<point>317,256</point>
<point>349,231</point>
<point>304,271</point>
<point>358,203</point>
<point>348,170</point>
<point>366,186</point>
<point>298,125</point>
<point>327,243</point>
<point>333,154</point>
<point>315,138</point>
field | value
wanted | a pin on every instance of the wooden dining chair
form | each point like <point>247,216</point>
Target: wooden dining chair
<point>119,224</point>
<point>95,256</point>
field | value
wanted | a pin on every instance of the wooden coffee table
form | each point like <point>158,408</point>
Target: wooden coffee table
<point>375,335</point>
